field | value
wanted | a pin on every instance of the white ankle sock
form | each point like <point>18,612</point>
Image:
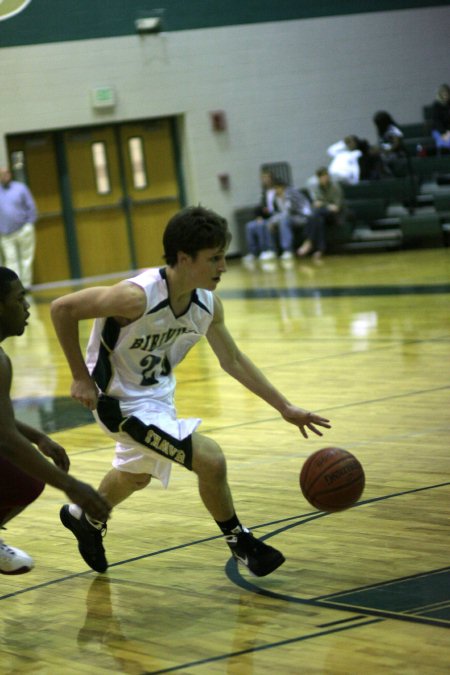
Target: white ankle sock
<point>75,511</point>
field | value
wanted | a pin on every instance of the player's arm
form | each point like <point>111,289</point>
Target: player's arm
<point>18,448</point>
<point>29,206</point>
<point>239,366</point>
<point>46,445</point>
<point>124,301</point>
<point>16,438</point>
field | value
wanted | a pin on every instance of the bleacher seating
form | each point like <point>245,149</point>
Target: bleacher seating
<point>441,200</point>
<point>429,168</point>
<point>411,208</point>
<point>367,210</point>
<point>415,130</point>
<point>417,198</point>
<point>417,139</point>
<point>421,229</point>
<point>393,190</point>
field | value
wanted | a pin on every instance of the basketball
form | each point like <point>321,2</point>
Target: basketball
<point>332,479</point>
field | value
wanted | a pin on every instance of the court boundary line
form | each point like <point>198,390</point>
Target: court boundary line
<point>300,519</point>
<point>259,648</point>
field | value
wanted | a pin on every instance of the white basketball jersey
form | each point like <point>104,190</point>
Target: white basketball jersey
<point>135,361</point>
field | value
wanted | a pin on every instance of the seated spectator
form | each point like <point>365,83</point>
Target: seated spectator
<point>344,166</point>
<point>293,209</point>
<point>328,202</point>
<point>440,120</point>
<point>390,141</point>
<point>370,164</point>
<point>257,234</point>
<point>354,159</point>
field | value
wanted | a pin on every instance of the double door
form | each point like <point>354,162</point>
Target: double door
<point>104,195</point>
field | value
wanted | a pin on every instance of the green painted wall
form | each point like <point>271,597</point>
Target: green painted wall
<point>59,20</point>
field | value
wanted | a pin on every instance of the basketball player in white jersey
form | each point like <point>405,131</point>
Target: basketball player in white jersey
<point>143,328</point>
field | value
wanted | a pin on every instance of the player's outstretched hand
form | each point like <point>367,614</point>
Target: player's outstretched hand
<point>56,452</point>
<point>304,419</point>
<point>89,500</point>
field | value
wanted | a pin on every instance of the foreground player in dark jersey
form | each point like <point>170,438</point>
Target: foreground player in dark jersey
<point>23,468</point>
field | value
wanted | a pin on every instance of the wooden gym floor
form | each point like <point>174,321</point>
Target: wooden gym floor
<point>365,340</point>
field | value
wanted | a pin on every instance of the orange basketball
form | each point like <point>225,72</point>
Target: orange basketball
<point>332,479</point>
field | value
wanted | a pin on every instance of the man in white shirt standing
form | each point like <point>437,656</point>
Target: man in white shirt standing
<point>17,235</point>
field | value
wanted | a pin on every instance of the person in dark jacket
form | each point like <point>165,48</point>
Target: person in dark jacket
<point>327,207</point>
<point>390,140</point>
<point>440,117</point>
<point>257,235</point>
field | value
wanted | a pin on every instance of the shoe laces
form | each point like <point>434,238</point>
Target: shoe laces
<point>4,546</point>
<point>99,532</point>
<point>94,525</point>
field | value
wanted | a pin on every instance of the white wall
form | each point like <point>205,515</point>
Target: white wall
<point>289,89</point>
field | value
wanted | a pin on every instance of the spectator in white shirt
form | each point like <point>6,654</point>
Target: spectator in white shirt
<point>344,166</point>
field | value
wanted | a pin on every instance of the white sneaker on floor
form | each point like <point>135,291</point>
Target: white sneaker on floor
<point>287,255</point>
<point>13,560</point>
<point>268,266</point>
<point>267,255</point>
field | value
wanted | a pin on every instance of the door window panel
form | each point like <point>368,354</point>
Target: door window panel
<point>137,162</point>
<point>101,171</point>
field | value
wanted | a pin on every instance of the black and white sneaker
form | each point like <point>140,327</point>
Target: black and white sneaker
<point>258,557</point>
<point>90,544</point>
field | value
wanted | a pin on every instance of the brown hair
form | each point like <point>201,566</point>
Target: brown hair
<point>193,229</point>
